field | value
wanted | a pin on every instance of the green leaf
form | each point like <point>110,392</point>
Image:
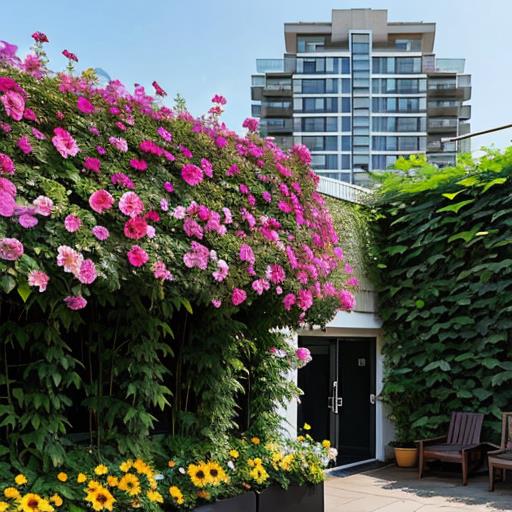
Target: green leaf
<point>396,249</point>
<point>7,283</point>
<point>496,181</point>
<point>24,292</point>
<point>187,305</point>
<point>455,207</point>
<point>469,182</point>
<point>451,196</point>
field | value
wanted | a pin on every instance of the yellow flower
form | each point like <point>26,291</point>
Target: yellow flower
<point>130,484</point>
<point>4,506</point>
<point>326,443</point>
<point>34,503</point>
<point>81,478</point>
<point>176,494</point>
<point>254,462</point>
<point>234,454</point>
<point>11,493</point>
<point>198,475</point>
<point>62,476</point>
<point>258,474</point>
<point>20,479</point>
<point>126,465</point>
<point>112,481</point>
<point>205,495</point>
<point>171,463</point>
<point>92,485</point>
<point>255,440</point>
<point>56,500</point>
<point>286,463</point>
<point>101,470</point>
<point>216,473</point>
<point>142,468</point>
<point>307,426</point>
<point>100,498</point>
<point>155,497</point>
<point>300,439</point>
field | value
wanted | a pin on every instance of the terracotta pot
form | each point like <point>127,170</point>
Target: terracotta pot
<point>406,457</point>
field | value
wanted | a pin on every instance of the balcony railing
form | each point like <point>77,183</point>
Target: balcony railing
<point>451,65</point>
<point>286,65</point>
<point>442,123</point>
<point>344,191</point>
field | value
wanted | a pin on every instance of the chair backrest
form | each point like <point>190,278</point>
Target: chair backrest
<point>465,428</point>
<point>506,430</point>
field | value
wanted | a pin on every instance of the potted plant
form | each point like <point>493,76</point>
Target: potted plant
<point>406,451</point>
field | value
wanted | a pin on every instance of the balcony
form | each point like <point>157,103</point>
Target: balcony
<point>458,87</point>
<point>286,65</point>
<point>449,108</point>
<point>276,126</point>
<point>275,111</point>
<point>465,112</point>
<point>256,93</point>
<point>435,146</point>
<point>277,89</point>
<point>442,125</point>
<point>450,65</point>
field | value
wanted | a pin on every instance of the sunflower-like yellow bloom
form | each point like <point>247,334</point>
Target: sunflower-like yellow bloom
<point>286,462</point>
<point>143,468</point>
<point>198,474</point>
<point>56,500</point>
<point>100,498</point>
<point>81,478</point>
<point>326,443</point>
<point>31,502</point>
<point>20,479</point>
<point>126,465</point>
<point>130,483</point>
<point>258,474</point>
<point>234,454</point>
<point>307,426</point>
<point>4,506</point>
<point>155,497</point>
<point>112,481</point>
<point>101,469</point>
<point>11,493</point>
<point>176,495</point>
<point>216,473</point>
<point>255,440</point>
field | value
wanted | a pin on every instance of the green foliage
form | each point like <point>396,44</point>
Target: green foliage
<point>446,291</point>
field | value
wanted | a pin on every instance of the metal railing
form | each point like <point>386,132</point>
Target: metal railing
<point>344,191</point>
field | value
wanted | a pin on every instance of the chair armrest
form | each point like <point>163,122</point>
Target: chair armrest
<point>479,447</point>
<point>497,452</point>
<point>424,442</point>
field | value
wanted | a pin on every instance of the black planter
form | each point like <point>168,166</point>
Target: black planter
<point>243,503</point>
<point>297,498</point>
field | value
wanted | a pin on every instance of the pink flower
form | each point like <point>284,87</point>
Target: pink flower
<point>228,217</point>
<point>220,141</point>
<point>164,205</point>
<point>75,302</point>
<point>39,37</point>
<point>72,223</point>
<point>303,354</point>
<point>100,232</point>
<point>302,152</point>
<point>6,164</point>
<point>69,259</point>
<point>11,249</point>
<point>251,124</point>
<point>164,134</point>
<point>288,301</point>
<point>121,179</point>
<point>305,299</point>
<point>198,256</point>
<point>8,187</point>
<point>7,204</point>
<point>233,169</point>
<point>84,105</point>
<point>64,143</point>
<point>38,278</point>
<point>185,151</point>
<point>179,212</point>
<point>260,286</point>
<point>207,167</point>
<point>119,143</point>
<point>5,127</point>
<point>101,200</point>
<point>238,296</point>
<point>137,256</point>
<point>131,204</point>
<point>219,99</point>
<point>33,66</point>
<point>192,174</point>
<point>44,206</point>
<point>216,303</point>
<point>266,196</point>
<point>138,165</point>
<point>347,300</point>
<point>101,150</point>
<point>222,271</point>
<point>26,220</point>
<point>159,91</point>
<point>192,228</point>
<point>275,273</point>
<point>247,254</point>
<point>92,164</point>
<point>29,115</point>
<point>160,271</point>
<point>14,104</point>
<point>87,273</point>
<point>70,56</point>
<point>37,134</point>
<point>135,228</point>
<point>168,187</point>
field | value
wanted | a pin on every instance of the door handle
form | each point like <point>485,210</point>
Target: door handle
<point>334,402</point>
<point>372,398</point>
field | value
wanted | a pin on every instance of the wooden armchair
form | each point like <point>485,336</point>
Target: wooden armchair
<point>502,458</point>
<point>461,445</point>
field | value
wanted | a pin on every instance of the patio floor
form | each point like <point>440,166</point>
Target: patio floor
<point>390,489</point>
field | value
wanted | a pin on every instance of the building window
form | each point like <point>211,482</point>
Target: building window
<point>345,65</point>
<point>256,110</point>
<point>346,143</point>
<point>408,45</point>
<point>313,86</point>
<point>345,105</point>
<point>324,161</point>
<point>345,85</point>
<point>318,124</point>
<point>345,162</point>
<point>345,124</point>
<point>320,143</point>
<point>307,44</point>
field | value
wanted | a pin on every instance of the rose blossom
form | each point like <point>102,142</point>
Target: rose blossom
<point>303,354</point>
<point>6,164</point>
<point>260,286</point>
<point>38,134</point>
<point>216,303</point>
<point>138,165</point>
<point>101,200</point>
<point>347,300</point>
<point>10,249</point>
<point>288,301</point>
<point>168,187</point>
<point>24,145</point>
<point>100,232</point>
<point>44,206</point>
<point>64,143</point>
<point>131,204</point>
<point>7,204</point>
<point>247,254</point>
<point>119,143</point>
<point>84,105</point>
<point>222,271</point>
<point>92,164</point>
<point>198,256</point>
<point>87,273</point>
<point>121,179</point>
<point>251,124</point>
<point>164,134</point>
<point>14,104</point>
<point>191,174</point>
<point>75,302</point>
<point>38,278</point>
<point>26,220</point>
<point>72,223</point>
<point>137,256</point>
<point>135,228</point>
<point>238,296</point>
<point>70,259</point>
<point>160,271</point>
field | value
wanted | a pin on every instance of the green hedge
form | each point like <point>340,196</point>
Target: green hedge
<point>445,282</point>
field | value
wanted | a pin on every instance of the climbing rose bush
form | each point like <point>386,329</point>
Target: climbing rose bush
<point>100,186</point>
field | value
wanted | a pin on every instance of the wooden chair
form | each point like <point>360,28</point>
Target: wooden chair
<point>461,445</point>
<point>502,458</point>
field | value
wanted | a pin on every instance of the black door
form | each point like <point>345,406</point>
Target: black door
<point>339,395</point>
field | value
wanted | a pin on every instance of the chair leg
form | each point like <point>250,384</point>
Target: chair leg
<point>503,475</point>
<point>421,465</point>
<point>491,477</point>
<point>465,463</point>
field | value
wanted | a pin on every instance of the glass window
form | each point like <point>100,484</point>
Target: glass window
<point>361,141</point>
<point>331,85</point>
<point>362,103</point>
<point>256,110</point>
<point>407,124</point>
<point>345,162</point>
<point>408,143</point>
<point>310,43</point>
<point>346,143</point>
<point>258,80</point>
<point>297,104</point>
<point>331,124</point>
<point>408,45</point>
<point>345,124</point>
<point>332,65</point>
<point>345,105</point>
<point>313,86</point>
<point>331,161</point>
<point>345,65</point>
<point>363,121</point>
<point>361,65</point>
<point>345,85</point>
<point>321,143</point>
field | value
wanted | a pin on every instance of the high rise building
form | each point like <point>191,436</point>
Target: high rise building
<point>360,91</point>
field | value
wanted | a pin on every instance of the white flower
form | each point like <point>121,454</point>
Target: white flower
<point>182,471</point>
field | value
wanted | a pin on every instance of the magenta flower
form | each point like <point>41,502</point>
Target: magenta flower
<point>87,273</point>
<point>101,200</point>
<point>75,302</point>
<point>7,203</point>
<point>303,354</point>
<point>275,273</point>
<point>207,167</point>
<point>138,165</point>
<point>247,254</point>
<point>288,301</point>
<point>135,228</point>
<point>251,124</point>
<point>159,91</point>
<point>302,152</point>
<point>39,37</point>
<point>43,205</point>
<point>216,303</point>
<point>38,278</point>
<point>168,187</point>
<point>27,221</point>
<point>72,223</point>
<point>347,300</point>
<point>84,105</point>
<point>198,256</point>
<point>64,143</point>
<point>37,134</point>
<point>160,271</point>
<point>164,134</point>
<point>191,174</point>
<point>33,66</point>
<point>233,170</point>
<point>260,286</point>
<point>121,179</point>
<point>137,256</point>
<point>11,249</point>
<point>14,105</point>
<point>100,232</point>
<point>219,99</point>
<point>304,299</point>
<point>69,55</point>
<point>92,164</point>
<point>131,204</point>
<point>24,145</point>
<point>119,143</point>
<point>6,164</point>
<point>238,296</point>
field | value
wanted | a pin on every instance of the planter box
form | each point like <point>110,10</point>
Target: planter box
<point>297,498</point>
<point>243,503</point>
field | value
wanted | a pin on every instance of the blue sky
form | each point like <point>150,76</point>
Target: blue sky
<point>202,47</point>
